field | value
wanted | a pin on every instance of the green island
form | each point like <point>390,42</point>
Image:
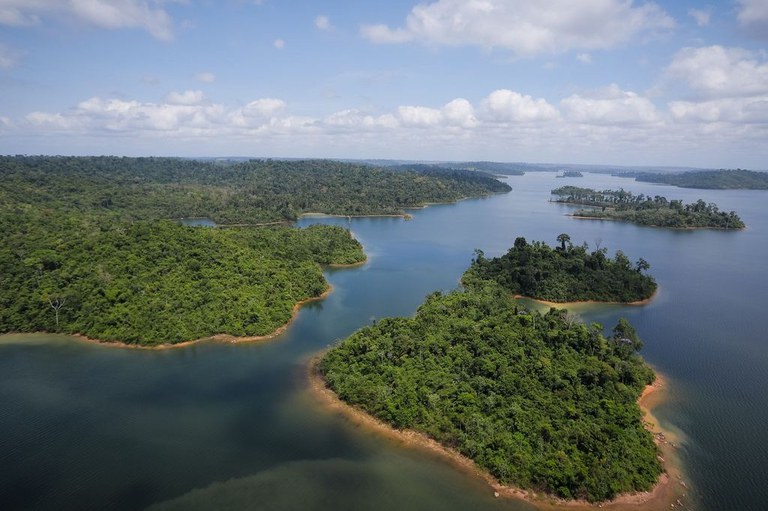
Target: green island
<point>90,246</point>
<point>541,402</point>
<point>722,179</point>
<point>566,273</point>
<point>570,173</point>
<point>640,209</point>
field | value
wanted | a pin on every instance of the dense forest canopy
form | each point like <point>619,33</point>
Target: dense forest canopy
<point>566,273</point>
<point>711,179</point>
<point>159,282</point>
<point>88,246</point>
<point>642,209</point>
<point>233,193</point>
<point>540,401</point>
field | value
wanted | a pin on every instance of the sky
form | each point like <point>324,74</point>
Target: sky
<point>616,82</point>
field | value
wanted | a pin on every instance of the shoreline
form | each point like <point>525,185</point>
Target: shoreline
<point>691,228</point>
<point>559,305</point>
<point>233,339</point>
<point>666,494</point>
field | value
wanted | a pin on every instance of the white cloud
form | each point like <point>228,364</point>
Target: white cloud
<point>526,28</point>
<point>323,22</point>
<point>419,116</point>
<point>265,107</point>
<point>189,97</point>
<point>610,106</point>
<point>279,44</point>
<point>107,14</point>
<point>584,58</point>
<point>731,110</point>
<point>718,72</point>
<point>205,77</point>
<point>753,14</point>
<point>701,16</point>
<point>509,106</point>
<point>460,113</point>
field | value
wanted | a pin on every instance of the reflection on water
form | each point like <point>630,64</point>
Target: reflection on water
<point>96,427</point>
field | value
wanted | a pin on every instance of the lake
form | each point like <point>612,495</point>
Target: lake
<point>228,426</point>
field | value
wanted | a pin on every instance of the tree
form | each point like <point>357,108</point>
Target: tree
<point>642,265</point>
<point>563,239</point>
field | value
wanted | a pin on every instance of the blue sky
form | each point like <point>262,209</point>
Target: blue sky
<point>673,83</point>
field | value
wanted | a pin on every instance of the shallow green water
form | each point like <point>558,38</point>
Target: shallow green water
<point>232,426</point>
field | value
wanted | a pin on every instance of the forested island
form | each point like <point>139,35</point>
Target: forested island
<point>90,245</point>
<point>711,179</point>
<point>640,209</point>
<point>542,402</point>
<point>566,273</point>
<point>570,173</point>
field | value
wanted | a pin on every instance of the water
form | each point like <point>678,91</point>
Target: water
<point>197,222</point>
<point>233,427</point>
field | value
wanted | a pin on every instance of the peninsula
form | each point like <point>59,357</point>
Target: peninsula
<point>640,209</point>
<point>90,247</point>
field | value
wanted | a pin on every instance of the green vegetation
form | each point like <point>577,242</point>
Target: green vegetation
<point>711,179</point>
<point>88,245</point>
<point>539,401</point>
<point>570,173</point>
<point>564,274</point>
<point>640,209</point>
<point>235,193</point>
<point>159,282</point>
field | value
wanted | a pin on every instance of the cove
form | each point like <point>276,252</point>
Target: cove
<point>92,427</point>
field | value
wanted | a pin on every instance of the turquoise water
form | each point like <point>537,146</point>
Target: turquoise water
<point>232,426</point>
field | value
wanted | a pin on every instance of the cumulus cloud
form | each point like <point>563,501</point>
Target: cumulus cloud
<point>148,15</point>
<point>509,106</point>
<point>753,14</point>
<point>584,58</point>
<point>323,22</point>
<point>717,72</point>
<point>523,27</point>
<point>610,106</point>
<point>190,97</point>
<point>205,77</point>
<point>731,110</point>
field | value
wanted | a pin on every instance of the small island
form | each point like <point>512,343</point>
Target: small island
<point>541,402</point>
<point>654,211</point>
<point>570,173</point>
<point>566,273</point>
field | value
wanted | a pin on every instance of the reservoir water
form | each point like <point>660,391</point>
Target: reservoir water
<point>223,426</point>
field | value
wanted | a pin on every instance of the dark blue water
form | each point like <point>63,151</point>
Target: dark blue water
<point>233,427</point>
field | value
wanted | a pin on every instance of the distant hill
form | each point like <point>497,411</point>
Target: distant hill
<point>711,179</point>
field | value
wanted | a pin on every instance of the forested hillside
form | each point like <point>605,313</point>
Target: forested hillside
<point>566,273</point>
<point>232,193</point>
<point>540,401</point>
<point>89,246</point>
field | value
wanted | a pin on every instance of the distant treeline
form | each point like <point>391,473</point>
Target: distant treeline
<point>246,192</point>
<point>711,179</point>
<point>542,402</point>
<point>654,211</point>
<point>566,273</point>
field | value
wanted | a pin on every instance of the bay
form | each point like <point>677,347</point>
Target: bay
<point>84,426</point>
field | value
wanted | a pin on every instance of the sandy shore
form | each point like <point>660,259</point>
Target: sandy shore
<point>667,494</point>
<point>561,305</point>
<point>216,338</point>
